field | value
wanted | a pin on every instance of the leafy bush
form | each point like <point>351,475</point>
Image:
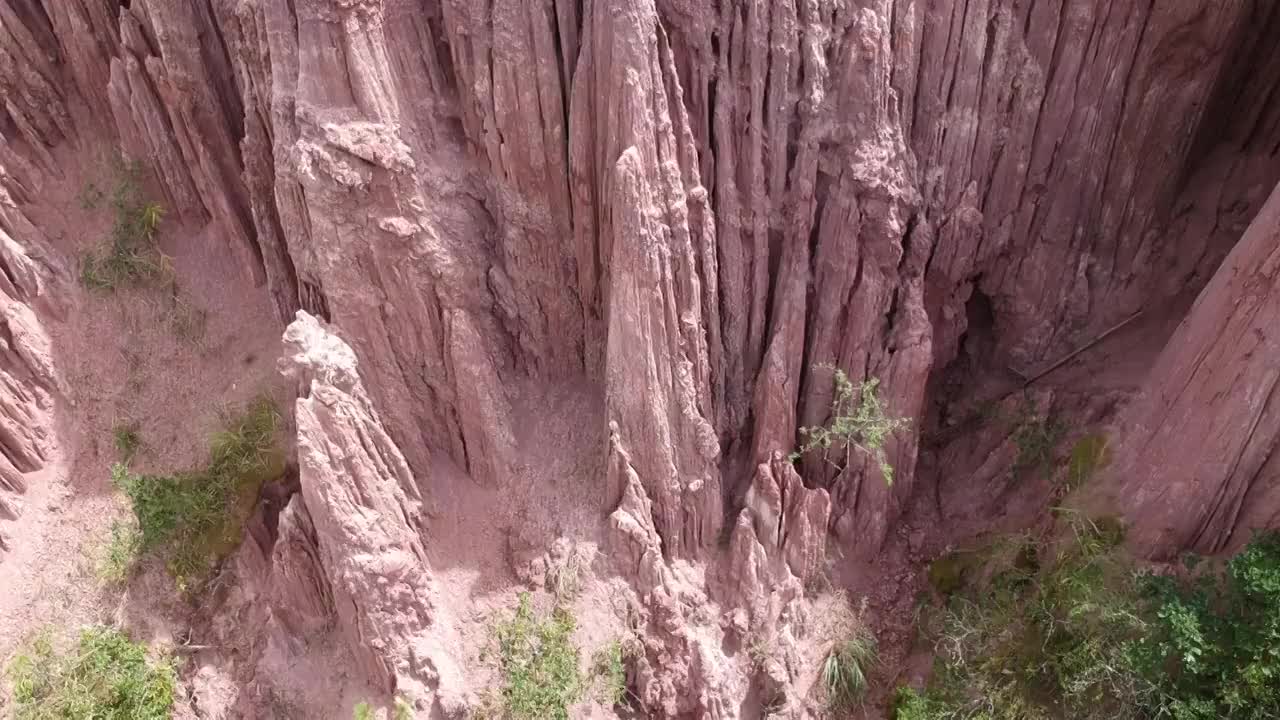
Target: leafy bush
<point>104,677</point>
<point>1088,637</point>
<point>538,663</point>
<point>130,256</point>
<point>362,711</point>
<point>1215,649</point>
<point>858,420</point>
<point>196,517</point>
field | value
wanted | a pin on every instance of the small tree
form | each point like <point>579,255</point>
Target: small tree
<point>858,420</point>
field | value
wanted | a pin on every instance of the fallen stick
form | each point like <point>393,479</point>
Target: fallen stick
<point>1081,349</point>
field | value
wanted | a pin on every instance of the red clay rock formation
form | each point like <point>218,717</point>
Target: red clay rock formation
<point>360,499</point>
<point>689,210</point>
<point>1198,467</point>
<point>30,384</point>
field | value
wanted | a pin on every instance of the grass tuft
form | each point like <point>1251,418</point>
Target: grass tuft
<point>104,676</point>
<point>844,672</point>
<point>195,518</point>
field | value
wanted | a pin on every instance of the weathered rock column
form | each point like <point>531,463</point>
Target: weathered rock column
<point>1197,469</point>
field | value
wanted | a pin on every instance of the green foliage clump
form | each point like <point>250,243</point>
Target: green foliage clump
<point>858,420</point>
<point>1216,645</point>
<point>362,711</point>
<point>104,676</point>
<point>130,256</point>
<point>844,671</point>
<point>538,663</point>
<point>1033,642</point>
<point>1088,637</point>
<point>194,518</point>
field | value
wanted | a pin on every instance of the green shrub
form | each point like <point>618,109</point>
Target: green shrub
<point>103,677</point>
<point>858,420</point>
<point>1215,649</point>
<point>1087,637</point>
<point>844,671</point>
<point>362,712</point>
<point>538,663</point>
<point>130,256</point>
<point>1032,641</point>
<point>195,518</point>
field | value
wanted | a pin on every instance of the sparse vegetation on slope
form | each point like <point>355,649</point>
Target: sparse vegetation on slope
<point>130,255</point>
<point>194,518</point>
<point>104,676</point>
<point>858,420</point>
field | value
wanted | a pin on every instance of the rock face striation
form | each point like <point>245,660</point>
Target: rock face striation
<point>1216,381</point>
<point>693,211</point>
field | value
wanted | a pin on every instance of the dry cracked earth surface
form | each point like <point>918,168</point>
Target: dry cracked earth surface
<point>583,302</point>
